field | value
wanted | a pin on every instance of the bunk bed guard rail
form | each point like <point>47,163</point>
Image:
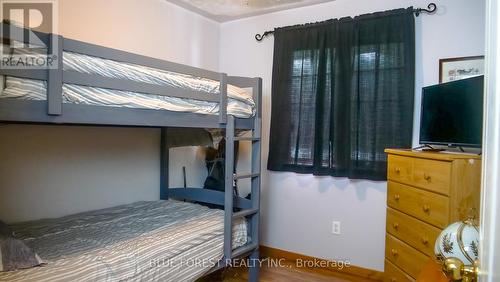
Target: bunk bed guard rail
<point>56,76</point>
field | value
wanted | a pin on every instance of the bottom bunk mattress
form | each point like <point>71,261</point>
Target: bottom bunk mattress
<point>30,89</point>
<point>143,241</point>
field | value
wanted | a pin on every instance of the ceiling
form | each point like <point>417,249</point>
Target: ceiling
<point>227,10</point>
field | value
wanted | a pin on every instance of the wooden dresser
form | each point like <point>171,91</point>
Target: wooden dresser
<point>425,193</point>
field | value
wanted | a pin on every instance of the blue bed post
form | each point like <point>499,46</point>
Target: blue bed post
<point>55,77</point>
<point>228,189</point>
<point>164,155</point>
<point>223,98</point>
<point>256,182</point>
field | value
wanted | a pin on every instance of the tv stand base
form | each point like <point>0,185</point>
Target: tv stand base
<point>428,148</point>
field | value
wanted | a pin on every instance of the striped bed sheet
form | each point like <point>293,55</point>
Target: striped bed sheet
<point>144,241</point>
<point>240,102</point>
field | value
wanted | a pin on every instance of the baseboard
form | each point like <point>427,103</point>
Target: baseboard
<point>293,257</point>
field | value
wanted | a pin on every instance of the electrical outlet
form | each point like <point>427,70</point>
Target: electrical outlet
<point>336,227</point>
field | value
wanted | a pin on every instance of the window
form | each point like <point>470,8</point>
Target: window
<point>342,92</point>
<point>303,94</point>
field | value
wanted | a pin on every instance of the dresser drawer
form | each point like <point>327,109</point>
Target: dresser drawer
<point>432,175</point>
<point>393,274</point>
<point>404,256</point>
<point>412,231</point>
<point>427,206</point>
<point>399,168</point>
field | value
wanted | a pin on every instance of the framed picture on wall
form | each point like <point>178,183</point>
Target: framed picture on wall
<point>451,69</point>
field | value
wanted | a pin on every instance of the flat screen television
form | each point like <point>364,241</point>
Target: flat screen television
<point>452,113</point>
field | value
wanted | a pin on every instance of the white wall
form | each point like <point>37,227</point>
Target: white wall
<point>49,171</point>
<point>155,28</point>
<point>297,210</point>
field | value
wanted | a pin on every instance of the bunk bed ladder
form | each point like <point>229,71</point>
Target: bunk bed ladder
<point>252,214</point>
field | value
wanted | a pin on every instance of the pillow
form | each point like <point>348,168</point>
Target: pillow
<point>14,253</point>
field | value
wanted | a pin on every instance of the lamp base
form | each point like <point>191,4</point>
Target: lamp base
<point>455,270</point>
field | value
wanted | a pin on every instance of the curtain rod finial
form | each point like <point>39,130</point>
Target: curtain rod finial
<point>259,37</point>
<point>431,8</point>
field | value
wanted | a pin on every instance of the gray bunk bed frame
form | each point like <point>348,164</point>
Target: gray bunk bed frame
<point>54,111</point>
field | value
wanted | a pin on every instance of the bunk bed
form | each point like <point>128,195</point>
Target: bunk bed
<point>95,85</point>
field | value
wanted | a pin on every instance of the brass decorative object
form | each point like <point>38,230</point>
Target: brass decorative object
<point>455,270</point>
<point>457,250</point>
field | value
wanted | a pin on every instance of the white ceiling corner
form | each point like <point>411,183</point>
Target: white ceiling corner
<point>227,10</point>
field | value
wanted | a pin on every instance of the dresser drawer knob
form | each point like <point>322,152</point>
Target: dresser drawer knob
<point>393,279</point>
<point>427,177</point>
<point>426,208</point>
<point>396,197</point>
<point>425,241</point>
<point>398,170</point>
<point>394,252</point>
<point>395,225</point>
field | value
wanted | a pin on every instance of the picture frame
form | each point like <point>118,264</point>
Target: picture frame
<point>451,69</point>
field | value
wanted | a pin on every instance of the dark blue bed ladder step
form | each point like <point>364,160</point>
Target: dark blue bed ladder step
<point>246,175</point>
<point>244,213</point>
<point>245,249</point>
<point>253,139</point>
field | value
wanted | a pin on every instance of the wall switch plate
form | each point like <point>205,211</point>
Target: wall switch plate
<point>336,227</point>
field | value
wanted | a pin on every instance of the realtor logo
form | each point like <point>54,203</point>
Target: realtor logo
<point>26,32</point>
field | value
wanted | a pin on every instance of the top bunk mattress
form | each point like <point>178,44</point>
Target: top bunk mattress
<point>240,102</point>
<point>142,241</point>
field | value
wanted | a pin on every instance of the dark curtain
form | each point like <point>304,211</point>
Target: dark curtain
<point>342,92</point>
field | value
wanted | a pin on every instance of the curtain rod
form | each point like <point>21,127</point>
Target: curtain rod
<point>431,9</point>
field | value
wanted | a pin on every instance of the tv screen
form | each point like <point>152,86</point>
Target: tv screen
<point>452,113</point>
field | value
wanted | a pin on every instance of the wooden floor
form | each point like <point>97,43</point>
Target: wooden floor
<point>281,274</point>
